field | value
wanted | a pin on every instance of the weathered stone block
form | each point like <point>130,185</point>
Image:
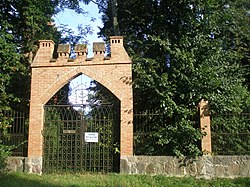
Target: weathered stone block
<point>169,167</point>
<point>150,169</point>
<point>15,164</point>
<point>33,165</point>
<point>125,165</point>
<point>141,166</point>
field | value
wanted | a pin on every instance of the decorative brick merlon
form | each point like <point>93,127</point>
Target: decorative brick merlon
<point>45,51</point>
<point>117,48</point>
<point>81,50</point>
<point>99,49</point>
<point>44,56</point>
<point>116,41</point>
<point>63,51</point>
<point>46,44</point>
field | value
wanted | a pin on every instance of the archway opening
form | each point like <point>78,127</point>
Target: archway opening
<point>82,128</point>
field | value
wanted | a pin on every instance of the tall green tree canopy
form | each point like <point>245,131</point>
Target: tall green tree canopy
<point>182,52</point>
<point>22,24</point>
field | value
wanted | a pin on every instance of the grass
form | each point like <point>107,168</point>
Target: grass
<point>110,180</point>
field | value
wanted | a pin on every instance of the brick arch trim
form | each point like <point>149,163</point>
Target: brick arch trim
<point>59,83</point>
<point>49,75</point>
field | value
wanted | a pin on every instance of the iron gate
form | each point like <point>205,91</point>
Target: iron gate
<point>79,138</point>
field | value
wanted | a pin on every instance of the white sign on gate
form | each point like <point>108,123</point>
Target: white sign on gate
<point>91,137</point>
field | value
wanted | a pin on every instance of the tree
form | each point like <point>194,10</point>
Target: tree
<point>23,23</point>
<point>182,52</point>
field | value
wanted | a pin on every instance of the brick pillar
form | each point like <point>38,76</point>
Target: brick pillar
<point>205,125</point>
<point>35,139</point>
<point>35,131</point>
<point>126,128</point>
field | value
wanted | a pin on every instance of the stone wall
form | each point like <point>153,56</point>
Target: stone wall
<point>200,167</point>
<point>24,164</point>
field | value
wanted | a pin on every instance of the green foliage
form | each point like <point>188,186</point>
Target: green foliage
<point>9,65</point>
<point>51,129</point>
<point>182,52</point>
<point>5,150</point>
<point>23,23</point>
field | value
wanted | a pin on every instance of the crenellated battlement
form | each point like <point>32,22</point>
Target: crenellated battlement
<point>44,56</point>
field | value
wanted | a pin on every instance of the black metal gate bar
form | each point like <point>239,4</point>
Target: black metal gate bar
<point>17,131</point>
<point>64,146</point>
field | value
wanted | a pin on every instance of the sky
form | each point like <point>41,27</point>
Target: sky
<point>68,17</point>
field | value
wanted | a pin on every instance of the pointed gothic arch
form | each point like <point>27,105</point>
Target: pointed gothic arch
<point>49,75</point>
<point>67,77</point>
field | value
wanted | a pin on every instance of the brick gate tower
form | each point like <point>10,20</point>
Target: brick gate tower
<point>50,75</point>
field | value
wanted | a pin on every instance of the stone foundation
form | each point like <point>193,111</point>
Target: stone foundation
<point>24,164</point>
<point>15,164</point>
<point>33,165</point>
<point>200,167</point>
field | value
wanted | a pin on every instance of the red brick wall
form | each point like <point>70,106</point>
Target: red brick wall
<point>48,76</point>
<point>205,125</point>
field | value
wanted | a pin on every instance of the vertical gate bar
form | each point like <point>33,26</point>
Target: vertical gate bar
<point>103,138</point>
<point>99,133</point>
<point>94,147</point>
<point>44,141</point>
<point>76,143</point>
<point>81,142</point>
<point>69,152</point>
<point>48,157</point>
<point>111,148</point>
<point>89,148</point>
<point>108,139</point>
<point>71,136</point>
<point>108,125</point>
<point>99,153</point>
<point>45,146</point>
<point>58,143</point>
<point>104,151</point>
<point>23,134</point>
<point>69,142</point>
<point>12,129</point>
<point>48,152</point>
<point>67,145</point>
<point>86,152</point>
<point>63,155</point>
<point>62,137</point>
